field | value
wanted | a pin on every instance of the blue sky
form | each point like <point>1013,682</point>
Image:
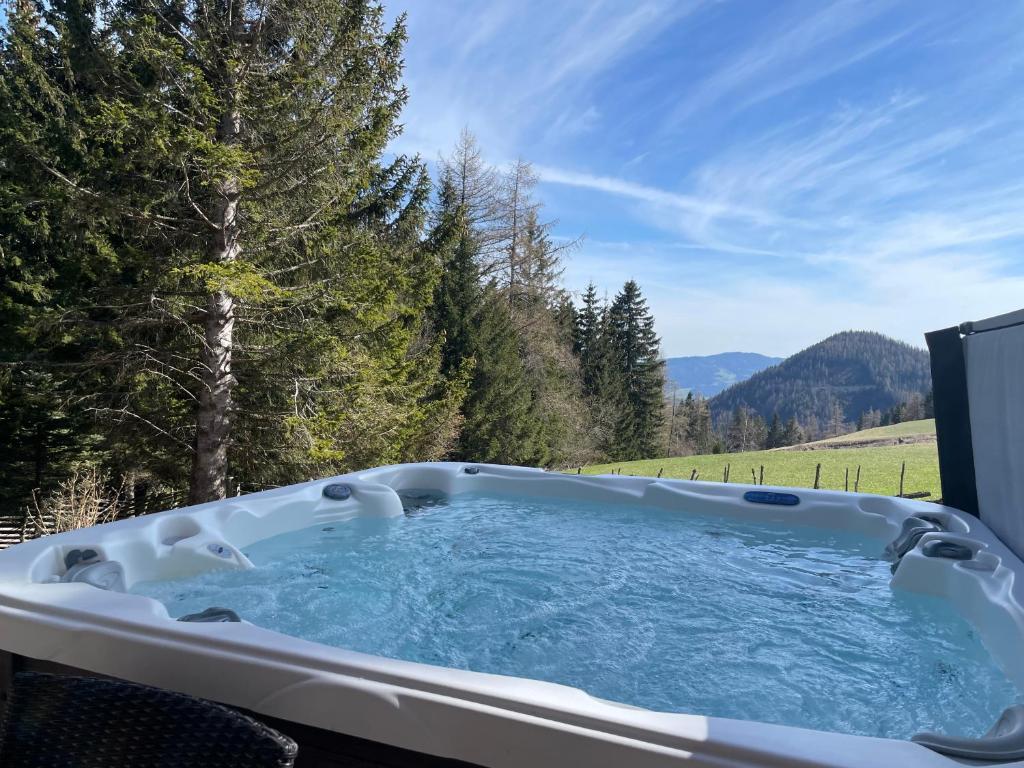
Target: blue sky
<point>769,172</point>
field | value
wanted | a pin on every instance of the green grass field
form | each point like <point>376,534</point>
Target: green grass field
<point>880,466</point>
<point>919,428</point>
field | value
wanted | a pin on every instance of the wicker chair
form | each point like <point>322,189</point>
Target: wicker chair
<point>53,721</point>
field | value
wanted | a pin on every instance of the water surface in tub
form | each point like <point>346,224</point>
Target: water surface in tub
<point>657,609</point>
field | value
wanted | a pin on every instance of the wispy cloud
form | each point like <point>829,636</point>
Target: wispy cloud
<point>515,63</point>
<point>573,122</point>
<point>769,174</point>
<point>600,36</point>
<point>694,216</point>
<point>611,185</point>
<point>781,59</point>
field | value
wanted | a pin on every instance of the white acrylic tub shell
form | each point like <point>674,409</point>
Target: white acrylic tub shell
<point>491,720</point>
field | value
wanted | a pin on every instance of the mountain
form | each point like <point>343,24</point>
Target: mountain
<point>710,374</point>
<point>857,369</point>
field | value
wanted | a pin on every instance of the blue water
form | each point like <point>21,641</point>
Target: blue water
<point>662,610</point>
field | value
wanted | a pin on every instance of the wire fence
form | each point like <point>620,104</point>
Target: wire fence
<point>851,483</point>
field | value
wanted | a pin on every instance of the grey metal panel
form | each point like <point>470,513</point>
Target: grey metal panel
<point>995,384</point>
<point>991,323</point>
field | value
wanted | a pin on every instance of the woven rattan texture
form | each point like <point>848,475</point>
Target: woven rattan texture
<point>53,721</point>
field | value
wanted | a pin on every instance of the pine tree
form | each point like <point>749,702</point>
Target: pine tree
<point>537,308</point>
<point>836,422</point>
<point>458,294</point>
<point>516,257</point>
<point>897,414</point>
<point>677,421</point>
<point>517,208</point>
<point>774,437</point>
<point>636,354</point>
<point>869,419</point>
<point>540,265</point>
<point>792,434</point>
<point>567,322</point>
<point>500,423</point>
<point>745,431</point>
<point>700,434</point>
<point>914,408</point>
<point>477,189</point>
<point>589,342</point>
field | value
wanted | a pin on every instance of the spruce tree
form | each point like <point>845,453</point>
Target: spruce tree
<point>599,371</point>
<point>699,432</point>
<point>636,354</point>
<point>929,404</point>
<point>457,296</point>
<point>775,432</point>
<point>589,344</point>
<point>501,425</point>
<point>567,322</point>
<point>792,434</point>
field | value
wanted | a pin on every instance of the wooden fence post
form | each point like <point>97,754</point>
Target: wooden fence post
<point>817,476</point>
<point>903,471</point>
<point>660,471</point>
<point>761,479</point>
<point>846,485</point>
<point>856,483</point>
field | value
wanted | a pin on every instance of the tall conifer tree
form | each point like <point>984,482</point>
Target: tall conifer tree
<point>479,342</point>
<point>635,349</point>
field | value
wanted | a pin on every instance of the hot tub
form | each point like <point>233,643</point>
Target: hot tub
<point>504,616</point>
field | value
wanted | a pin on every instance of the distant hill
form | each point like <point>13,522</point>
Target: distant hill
<point>857,369</point>
<point>710,374</point>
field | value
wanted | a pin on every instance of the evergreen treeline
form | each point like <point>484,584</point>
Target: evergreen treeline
<point>692,432</point>
<point>847,382</point>
<point>827,387</point>
<point>212,279</point>
<point>622,374</point>
<point>546,383</point>
<point>917,407</point>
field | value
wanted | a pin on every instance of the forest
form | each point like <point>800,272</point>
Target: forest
<point>216,278</point>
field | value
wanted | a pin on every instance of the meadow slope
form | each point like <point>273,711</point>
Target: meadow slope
<point>879,468</point>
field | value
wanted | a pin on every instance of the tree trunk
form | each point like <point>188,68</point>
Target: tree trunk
<point>513,242</point>
<point>213,415</point>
